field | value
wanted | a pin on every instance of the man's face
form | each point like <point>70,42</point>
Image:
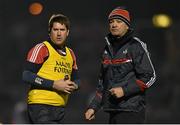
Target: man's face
<point>59,33</point>
<point>117,27</point>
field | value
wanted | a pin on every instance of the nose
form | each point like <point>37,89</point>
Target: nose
<point>59,33</point>
<point>113,25</point>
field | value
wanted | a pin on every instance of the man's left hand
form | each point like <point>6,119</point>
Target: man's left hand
<point>117,92</point>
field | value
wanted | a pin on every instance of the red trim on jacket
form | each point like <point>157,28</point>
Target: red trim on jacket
<point>117,61</point>
<point>141,84</point>
<point>98,94</point>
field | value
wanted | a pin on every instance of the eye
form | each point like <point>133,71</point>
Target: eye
<point>63,29</point>
<point>119,21</point>
<point>55,29</point>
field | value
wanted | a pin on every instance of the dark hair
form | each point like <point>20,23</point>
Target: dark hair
<point>60,18</point>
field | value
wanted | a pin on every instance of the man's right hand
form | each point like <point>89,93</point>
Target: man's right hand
<point>66,86</point>
<point>90,114</point>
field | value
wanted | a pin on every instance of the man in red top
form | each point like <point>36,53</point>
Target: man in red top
<point>52,73</point>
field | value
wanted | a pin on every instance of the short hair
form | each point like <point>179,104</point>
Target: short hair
<point>60,18</point>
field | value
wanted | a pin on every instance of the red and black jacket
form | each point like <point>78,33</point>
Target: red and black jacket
<point>125,63</point>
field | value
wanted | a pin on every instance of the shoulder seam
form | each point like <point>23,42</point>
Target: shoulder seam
<point>35,52</point>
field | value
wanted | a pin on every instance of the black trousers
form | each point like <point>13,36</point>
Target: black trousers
<point>125,117</point>
<point>45,114</point>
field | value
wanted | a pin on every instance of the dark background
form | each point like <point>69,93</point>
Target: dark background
<point>19,31</point>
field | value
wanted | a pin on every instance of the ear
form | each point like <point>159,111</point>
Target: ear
<point>67,32</point>
<point>49,30</point>
<point>127,27</point>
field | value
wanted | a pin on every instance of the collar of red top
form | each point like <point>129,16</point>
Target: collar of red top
<point>59,49</point>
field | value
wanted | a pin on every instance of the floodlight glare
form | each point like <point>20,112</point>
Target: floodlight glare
<point>162,20</point>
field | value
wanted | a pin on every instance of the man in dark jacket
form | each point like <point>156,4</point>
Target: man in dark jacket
<point>126,72</point>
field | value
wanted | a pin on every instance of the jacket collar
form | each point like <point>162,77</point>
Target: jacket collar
<point>61,50</point>
<point>114,40</point>
<point>115,43</point>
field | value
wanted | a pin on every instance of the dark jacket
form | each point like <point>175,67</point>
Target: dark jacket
<point>125,63</point>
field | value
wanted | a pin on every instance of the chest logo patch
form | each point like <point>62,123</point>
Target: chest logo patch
<point>125,51</point>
